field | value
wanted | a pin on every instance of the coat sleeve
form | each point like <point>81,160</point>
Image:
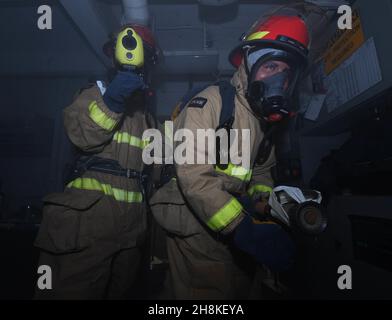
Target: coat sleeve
<point>199,183</point>
<point>89,123</point>
<point>262,183</point>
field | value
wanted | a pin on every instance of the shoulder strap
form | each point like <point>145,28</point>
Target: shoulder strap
<point>226,119</point>
<point>227,93</point>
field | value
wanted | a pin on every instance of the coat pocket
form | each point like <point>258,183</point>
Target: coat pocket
<point>172,213</point>
<point>65,226</point>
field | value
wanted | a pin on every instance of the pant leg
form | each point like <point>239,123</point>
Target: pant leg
<point>125,267</point>
<point>81,275</point>
<point>202,267</point>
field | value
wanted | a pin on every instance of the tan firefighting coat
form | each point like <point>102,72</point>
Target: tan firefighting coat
<point>202,194</point>
<point>98,206</point>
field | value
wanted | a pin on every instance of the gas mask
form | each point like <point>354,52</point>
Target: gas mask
<point>272,77</point>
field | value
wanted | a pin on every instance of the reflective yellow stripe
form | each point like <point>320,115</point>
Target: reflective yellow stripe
<point>107,189</point>
<point>236,172</point>
<point>100,118</point>
<point>257,35</point>
<point>259,188</point>
<point>124,137</point>
<point>225,216</point>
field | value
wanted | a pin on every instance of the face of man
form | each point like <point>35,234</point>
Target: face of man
<point>270,68</point>
<point>268,89</point>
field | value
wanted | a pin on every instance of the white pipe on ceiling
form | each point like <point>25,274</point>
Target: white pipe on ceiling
<point>136,11</point>
<point>216,3</point>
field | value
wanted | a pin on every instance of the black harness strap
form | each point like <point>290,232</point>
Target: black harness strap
<point>108,166</point>
<point>227,93</point>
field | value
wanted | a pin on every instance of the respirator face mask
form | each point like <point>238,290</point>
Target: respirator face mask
<point>272,77</point>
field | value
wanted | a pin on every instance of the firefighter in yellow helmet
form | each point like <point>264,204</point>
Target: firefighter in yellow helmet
<point>207,210</point>
<point>92,233</point>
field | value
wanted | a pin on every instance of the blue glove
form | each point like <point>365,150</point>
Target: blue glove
<point>268,243</point>
<point>121,88</point>
<point>248,204</point>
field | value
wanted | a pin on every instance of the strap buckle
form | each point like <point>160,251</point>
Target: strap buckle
<point>130,173</point>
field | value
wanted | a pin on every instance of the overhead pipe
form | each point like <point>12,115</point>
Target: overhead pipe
<point>136,11</point>
<point>216,3</point>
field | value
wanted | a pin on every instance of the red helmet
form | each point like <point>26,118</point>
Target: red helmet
<point>288,33</point>
<point>145,33</point>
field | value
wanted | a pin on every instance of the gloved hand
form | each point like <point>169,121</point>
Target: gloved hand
<point>248,204</point>
<point>255,208</point>
<point>121,88</point>
<point>267,242</point>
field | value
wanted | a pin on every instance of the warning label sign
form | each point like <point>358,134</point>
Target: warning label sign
<point>343,44</point>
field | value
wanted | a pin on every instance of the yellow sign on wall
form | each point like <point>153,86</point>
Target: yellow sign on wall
<point>343,44</point>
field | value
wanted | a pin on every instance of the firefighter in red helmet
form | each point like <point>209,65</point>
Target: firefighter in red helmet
<point>208,212</point>
<point>285,41</point>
